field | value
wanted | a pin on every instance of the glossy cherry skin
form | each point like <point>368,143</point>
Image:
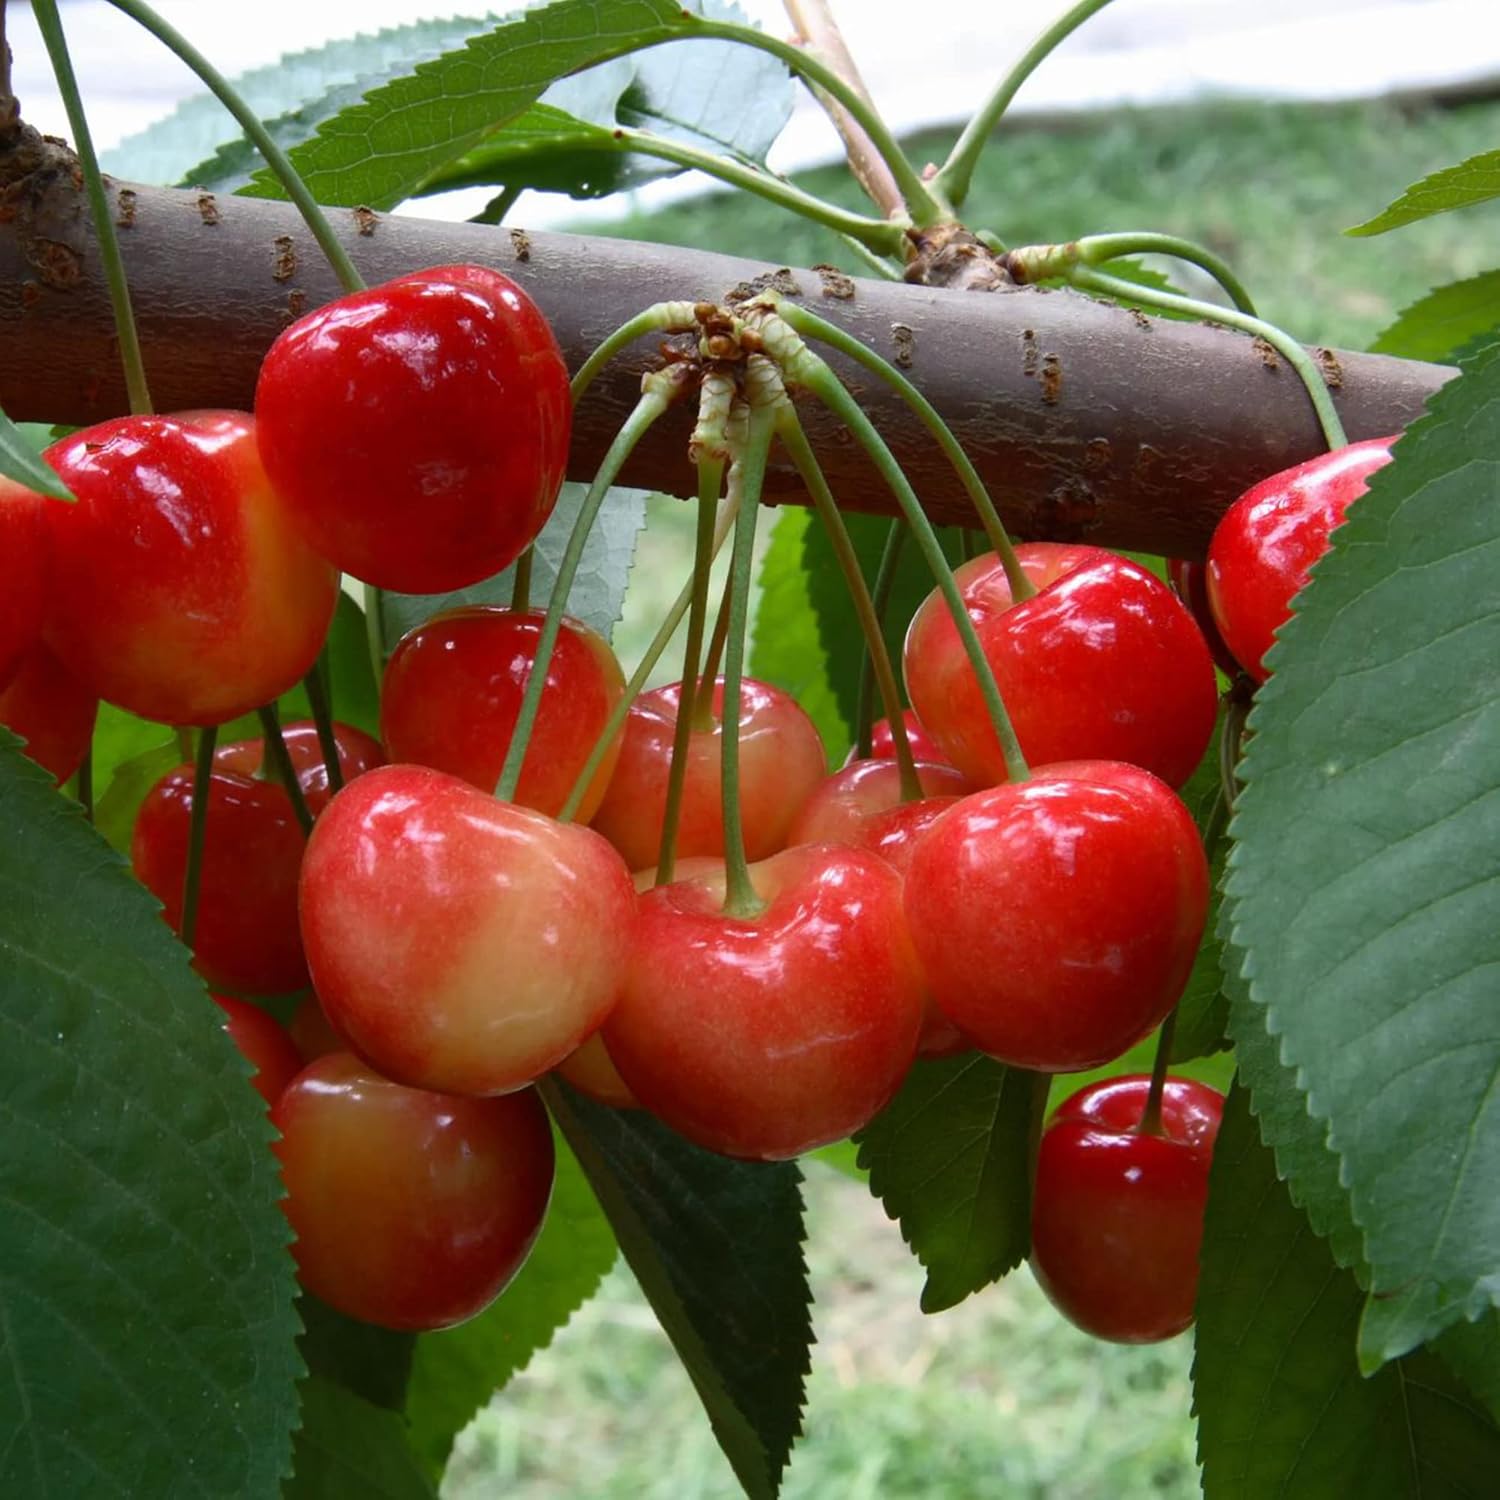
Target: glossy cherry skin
<point>453,690</point>
<point>1265,544</point>
<point>782,762</point>
<point>246,937</point>
<point>181,590</point>
<point>265,1043</point>
<point>460,943</point>
<point>844,805</point>
<point>411,1209</point>
<point>419,429</point>
<point>1102,663</point>
<point>591,1070</point>
<point>51,710</point>
<point>1189,581</point>
<point>763,1037</point>
<point>924,748</point>
<point>1117,1215</point>
<point>1057,918</point>
<point>24,559</point>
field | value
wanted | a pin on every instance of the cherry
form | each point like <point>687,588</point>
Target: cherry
<point>1057,918</point>
<point>51,710</point>
<point>1189,582</point>
<point>23,574</point>
<point>460,943</point>
<point>1103,662</point>
<point>764,1036</point>
<point>781,763</point>
<point>1266,543</point>
<point>312,1032</point>
<point>883,742</point>
<point>453,690</point>
<point>265,1043</point>
<point>419,429</point>
<point>411,1209</point>
<point>1117,1211</point>
<point>592,1071</point>
<point>181,590</point>
<point>246,938</point>
<point>847,804</point>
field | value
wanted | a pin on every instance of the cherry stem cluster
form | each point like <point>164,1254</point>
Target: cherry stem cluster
<point>317,698</point>
<point>279,764</point>
<point>885,583</point>
<point>192,879</point>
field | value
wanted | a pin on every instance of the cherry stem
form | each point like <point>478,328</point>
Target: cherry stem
<point>710,481</point>
<point>1289,349</point>
<point>317,698</point>
<point>806,369</point>
<point>660,317</point>
<point>85,784</point>
<point>203,770</point>
<point>1095,249</point>
<point>811,325</point>
<point>885,583</point>
<point>1151,1115</point>
<point>789,430</point>
<point>49,23</point>
<point>1230,734</point>
<point>954,176</point>
<point>286,174</point>
<point>657,393</point>
<point>520,588</point>
<point>702,714</point>
<point>279,763</point>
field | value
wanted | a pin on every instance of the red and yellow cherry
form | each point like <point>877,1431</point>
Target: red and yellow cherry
<point>453,690</point>
<point>782,761</point>
<point>265,1043</point>
<point>924,749</point>
<point>592,1071</point>
<point>419,429</point>
<point>181,590</point>
<point>1266,543</point>
<point>23,574</point>
<point>1189,581</point>
<point>1057,918</point>
<point>1103,662</point>
<point>51,710</point>
<point>845,805</point>
<point>312,1032</point>
<point>1117,1212</point>
<point>411,1209</point>
<point>764,1036</point>
<point>246,937</point>
<point>461,943</point>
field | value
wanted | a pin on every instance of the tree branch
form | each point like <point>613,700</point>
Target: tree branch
<point>1087,421</point>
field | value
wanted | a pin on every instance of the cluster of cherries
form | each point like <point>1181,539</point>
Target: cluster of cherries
<point>458,948</point>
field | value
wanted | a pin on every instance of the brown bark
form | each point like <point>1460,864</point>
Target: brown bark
<point>1087,421</point>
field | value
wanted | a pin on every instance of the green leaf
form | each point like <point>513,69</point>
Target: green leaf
<point>950,1158</point>
<point>1472,1352</point>
<point>455,1372</point>
<point>120,737</point>
<point>598,588</point>
<point>372,1363</point>
<point>350,1449</point>
<point>716,1245</point>
<point>1439,325</point>
<point>114,812</point>
<point>1473,181</point>
<point>146,1294</point>
<point>353,693</point>
<point>19,461</point>
<point>1365,872</point>
<point>1282,1408</point>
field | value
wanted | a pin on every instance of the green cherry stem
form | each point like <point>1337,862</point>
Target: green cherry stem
<point>885,583</point>
<point>1151,1116</point>
<point>794,439</point>
<point>279,764</point>
<point>286,174</point>
<point>49,23</point>
<point>953,178</point>
<point>317,698</point>
<point>810,325</point>
<point>658,391</point>
<point>520,587</point>
<point>1096,249</point>
<point>203,770</point>
<point>660,317</point>
<point>802,367</point>
<point>703,697</point>
<point>1289,349</point>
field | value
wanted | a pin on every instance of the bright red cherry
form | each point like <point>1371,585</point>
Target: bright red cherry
<point>453,690</point>
<point>412,1210</point>
<point>764,1036</point>
<point>1102,663</point>
<point>781,763</point>
<point>246,937</point>
<point>1117,1213</point>
<point>883,742</point>
<point>1057,918</point>
<point>419,429</point>
<point>265,1043</point>
<point>51,710</point>
<point>23,574</point>
<point>461,943</point>
<point>181,590</point>
<point>1265,544</point>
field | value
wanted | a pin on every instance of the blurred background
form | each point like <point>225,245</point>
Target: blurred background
<point>1261,127</point>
